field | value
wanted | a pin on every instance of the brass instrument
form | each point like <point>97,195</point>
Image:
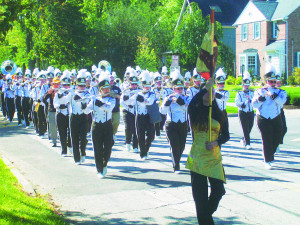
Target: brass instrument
<point>8,67</point>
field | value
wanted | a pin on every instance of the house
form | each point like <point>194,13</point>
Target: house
<point>268,31</point>
<point>226,12</point>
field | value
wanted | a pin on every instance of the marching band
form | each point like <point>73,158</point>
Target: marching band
<point>70,106</point>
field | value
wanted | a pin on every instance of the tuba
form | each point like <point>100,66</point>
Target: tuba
<point>104,65</point>
<point>8,67</point>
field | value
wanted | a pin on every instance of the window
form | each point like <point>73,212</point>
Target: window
<point>244,33</point>
<point>242,63</point>
<point>256,31</point>
<point>248,62</point>
<point>298,59</point>
<point>252,64</point>
<point>275,29</point>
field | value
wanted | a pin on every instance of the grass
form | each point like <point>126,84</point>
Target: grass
<point>231,109</point>
<point>16,207</point>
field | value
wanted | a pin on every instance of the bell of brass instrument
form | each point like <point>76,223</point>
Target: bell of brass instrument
<point>8,67</point>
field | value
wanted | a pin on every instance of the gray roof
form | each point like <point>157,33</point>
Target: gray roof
<point>285,8</point>
<point>267,8</point>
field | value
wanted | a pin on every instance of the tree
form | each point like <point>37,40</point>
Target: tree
<point>146,57</point>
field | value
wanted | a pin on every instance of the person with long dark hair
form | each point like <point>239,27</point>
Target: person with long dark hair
<point>205,159</point>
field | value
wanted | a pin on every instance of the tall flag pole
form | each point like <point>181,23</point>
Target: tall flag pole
<point>206,61</point>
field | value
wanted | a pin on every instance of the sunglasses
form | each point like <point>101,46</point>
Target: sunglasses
<point>81,85</point>
<point>272,81</point>
<point>178,88</point>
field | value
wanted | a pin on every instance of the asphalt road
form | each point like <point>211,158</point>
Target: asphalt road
<point>148,192</point>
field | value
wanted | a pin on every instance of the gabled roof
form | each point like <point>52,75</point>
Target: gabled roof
<point>267,8</point>
<point>285,8</point>
<point>226,11</point>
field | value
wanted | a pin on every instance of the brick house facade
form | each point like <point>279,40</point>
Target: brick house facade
<point>261,34</point>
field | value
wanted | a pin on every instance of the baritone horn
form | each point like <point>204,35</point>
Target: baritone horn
<point>8,67</point>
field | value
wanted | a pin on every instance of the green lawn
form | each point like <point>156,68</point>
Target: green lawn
<point>16,207</point>
<point>231,109</point>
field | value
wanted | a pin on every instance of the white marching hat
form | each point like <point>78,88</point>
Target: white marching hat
<point>220,76</point>
<point>145,78</point>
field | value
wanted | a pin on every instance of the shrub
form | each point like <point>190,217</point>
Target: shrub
<point>230,80</point>
<point>291,80</point>
<point>238,81</point>
<point>295,100</point>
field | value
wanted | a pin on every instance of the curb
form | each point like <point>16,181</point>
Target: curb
<point>26,185</point>
<point>232,115</point>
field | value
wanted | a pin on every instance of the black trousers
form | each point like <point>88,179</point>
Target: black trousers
<point>247,120</point>
<point>30,109</point>
<point>271,134</point>
<point>206,206</point>
<point>19,109</point>
<point>102,136</point>
<point>26,109</point>
<point>130,129</point>
<point>160,126</point>
<point>35,120</point>
<point>284,127</point>
<point>3,105</point>
<point>78,126</point>
<point>90,120</point>
<point>64,131</point>
<point>42,124</point>
<point>176,133</point>
<point>145,133</point>
<point>10,106</point>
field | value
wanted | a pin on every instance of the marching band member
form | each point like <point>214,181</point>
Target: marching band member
<point>73,78</point>
<point>222,96</point>
<point>57,73</point>
<point>129,113</point>
<point>205,159</point>
<point>115,92</point>
<point>126,83</point>
<point>78,119</point>
<point>41,115</point>
<point>268,104</point>
<point>102,127</point>
<point>35,98</point>
<point>26,88</point>
<point>32,86</point>
<point>60,103</point>
<point>3,105</point>
<point>49,97</point>
<point>17,88</point>
<point>160,94</point>
<point>175,105</point>
<point>197,80</point>
<point>145,129</point>
<point>283,95</point>
<point>9,96</point>
<point>187,81</point>
<point>243,101</point>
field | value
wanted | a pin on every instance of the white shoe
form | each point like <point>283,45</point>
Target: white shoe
<point>248,147</point>
<point>144,158</point>
<point>268,165</point>
<point>70,150</point>
<point>64,155</point>
<point>277,150</point>
<point>105,171</point>
<point>82,159</point>
<point>78,163</point>
<point>27,127</point>
<point>101,175</point>
<point>177,171</point>
<point>136,150</point>
<point>242,143</point>
<point>128,147</point>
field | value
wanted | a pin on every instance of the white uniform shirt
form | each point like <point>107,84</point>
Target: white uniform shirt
<point>76,99</point>
<point>8,92</point>
<point>102,112</point>
<point>61,98</point>
<point>175,112</point>
<point>191,92</point>
<point>125,85</point>
<point>222,101</point>
<point>35,92</point>
<point>269,108</point>
<point>141,107</point>
<point>244,98</point>
<point>26,88</point>
<point>17,88</point>
<point>283,95</point>
<point>125,104</point>
<point>94,91</point>
<point>43,91</point>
